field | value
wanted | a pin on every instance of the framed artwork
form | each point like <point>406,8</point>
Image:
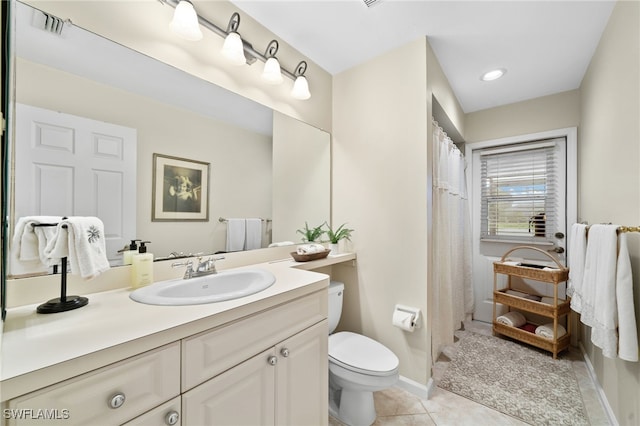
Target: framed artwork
<point>180,189</point>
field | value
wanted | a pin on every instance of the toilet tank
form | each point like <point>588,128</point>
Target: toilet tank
<point>336,290</point>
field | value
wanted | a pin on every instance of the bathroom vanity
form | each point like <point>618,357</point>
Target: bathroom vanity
<point>261,359</point>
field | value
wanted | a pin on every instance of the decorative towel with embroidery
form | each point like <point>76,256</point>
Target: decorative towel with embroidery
<point>81,240</point>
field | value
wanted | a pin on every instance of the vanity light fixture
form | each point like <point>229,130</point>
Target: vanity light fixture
<point>301,85</point>
<point>233,48</point>
<point>241,52</point>
<point>185,22</point>
<point>272,73</point>
<point>493,74</point>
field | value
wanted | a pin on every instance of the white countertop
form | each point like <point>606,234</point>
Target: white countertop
<point>41,349</point>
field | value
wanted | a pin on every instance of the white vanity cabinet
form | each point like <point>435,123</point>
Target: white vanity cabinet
<point>110,395</point>
<point>266,367</point>
<point>270,368</point>
<point>283,385</point>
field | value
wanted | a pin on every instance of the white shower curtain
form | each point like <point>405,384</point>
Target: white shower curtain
<point>452,289</point>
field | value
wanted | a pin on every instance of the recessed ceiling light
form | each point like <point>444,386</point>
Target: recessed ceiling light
<point>493,74</point>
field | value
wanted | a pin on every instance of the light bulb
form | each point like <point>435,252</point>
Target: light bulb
<point>185,22</point>
<point>301,88</point>
<point>271,73</point>
<point>233,49</point>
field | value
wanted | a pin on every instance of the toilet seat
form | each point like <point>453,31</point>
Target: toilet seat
<point>361,354</point>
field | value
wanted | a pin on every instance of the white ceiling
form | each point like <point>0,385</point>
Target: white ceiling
<point>545,46</point>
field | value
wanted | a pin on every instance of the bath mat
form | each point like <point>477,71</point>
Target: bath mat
<point>516,380</point>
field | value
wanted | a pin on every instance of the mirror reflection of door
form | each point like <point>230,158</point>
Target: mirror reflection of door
<point>519,194</point>
<point>74,166</point>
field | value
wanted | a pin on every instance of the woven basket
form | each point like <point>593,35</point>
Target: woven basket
<point>546,275</point>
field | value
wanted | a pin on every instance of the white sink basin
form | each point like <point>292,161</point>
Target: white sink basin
<point>218,287</point>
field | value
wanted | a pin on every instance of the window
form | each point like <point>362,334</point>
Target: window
<point>519,192</point>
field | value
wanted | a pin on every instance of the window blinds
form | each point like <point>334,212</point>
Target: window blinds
<point>519,193</point>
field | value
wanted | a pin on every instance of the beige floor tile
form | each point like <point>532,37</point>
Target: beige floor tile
<point>395,401</point>
<point>406,420</point>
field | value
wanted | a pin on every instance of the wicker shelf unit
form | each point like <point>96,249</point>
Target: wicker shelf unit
<point>555,312</point>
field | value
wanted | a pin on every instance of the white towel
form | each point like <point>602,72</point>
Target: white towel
<point>27,238</point>
<point>310,248</point>
<point>576,253</point>
<point>627,330</point>
<point>546,331</point>
<point>253,234</point>
<point>236,229</point>
<point>599,310</point>
<point>82,241</point>
<point>512,319</point>
<point>29,242</point>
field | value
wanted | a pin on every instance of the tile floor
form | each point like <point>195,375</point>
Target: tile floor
<point>396,406</point>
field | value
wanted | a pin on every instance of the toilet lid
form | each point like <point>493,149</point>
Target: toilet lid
<point>358,352</point>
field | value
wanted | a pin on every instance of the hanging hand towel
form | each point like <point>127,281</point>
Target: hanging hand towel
<point>81,240</point>
<point>512,319</point>
<point>236,229</point>
<point>253,237</point>
<point>29,242</point>
<point>599,309</point>
<point>627,330</point>
<point>576,258</point>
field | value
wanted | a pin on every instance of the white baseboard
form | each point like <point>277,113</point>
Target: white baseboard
<point>601,395</point>
<point>418,389</point>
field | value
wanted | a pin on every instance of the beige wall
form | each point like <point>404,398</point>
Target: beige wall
<point>536,115</point>
<point>438,86</point>
<point>380,180</point>
<point>609,175</point>
<point>173,131</point>
<point>301,177</point>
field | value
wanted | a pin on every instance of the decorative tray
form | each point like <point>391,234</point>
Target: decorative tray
<point>307,257</point>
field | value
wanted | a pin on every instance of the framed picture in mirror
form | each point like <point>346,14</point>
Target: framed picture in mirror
<point>180,189</point>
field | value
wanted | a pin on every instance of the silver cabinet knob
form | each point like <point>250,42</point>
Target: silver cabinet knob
<point>172,418</point>
<point>117,400</point>
<point>285,352</point>
<point>273,360</point>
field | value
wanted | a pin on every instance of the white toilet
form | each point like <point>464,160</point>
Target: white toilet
<point>358,366</point>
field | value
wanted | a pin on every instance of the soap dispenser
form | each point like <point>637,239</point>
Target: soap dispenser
<point>131,250</point>
<point>142,267</point>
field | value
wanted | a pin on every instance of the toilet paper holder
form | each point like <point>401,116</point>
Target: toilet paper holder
<point>414,312</point>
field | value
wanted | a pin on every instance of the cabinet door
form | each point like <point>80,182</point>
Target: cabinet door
<point>302,378</point>
<point>243,395</point>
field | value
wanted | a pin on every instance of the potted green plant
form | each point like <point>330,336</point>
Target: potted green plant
<point>310,235</point>
<point>341,233</point>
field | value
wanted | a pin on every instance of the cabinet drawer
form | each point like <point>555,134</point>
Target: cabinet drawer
<point>169,413</point>
<point>207,354</point>
<point>145,381</point>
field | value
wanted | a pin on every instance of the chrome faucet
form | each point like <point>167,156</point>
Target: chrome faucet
<point>206,267</point>
<point>188,273</point>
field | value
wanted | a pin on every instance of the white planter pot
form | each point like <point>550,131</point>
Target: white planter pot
<point>335,249</point>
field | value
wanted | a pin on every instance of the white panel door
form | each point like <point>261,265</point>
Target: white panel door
<point>74,166</point>
<point>486,251</point>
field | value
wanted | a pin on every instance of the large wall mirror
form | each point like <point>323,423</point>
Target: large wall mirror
<point>252,153</point>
